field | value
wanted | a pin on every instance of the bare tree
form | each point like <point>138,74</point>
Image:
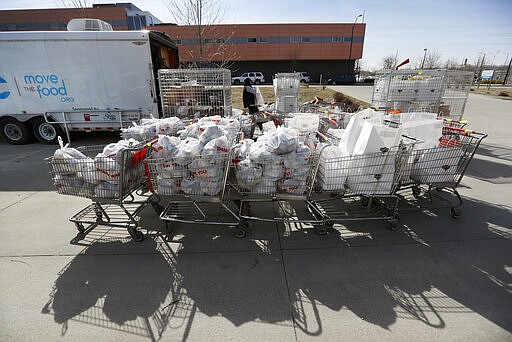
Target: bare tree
<point>201,16</point>
<point>432,60</point>
<point>452,63</point>
<point>389,62</point>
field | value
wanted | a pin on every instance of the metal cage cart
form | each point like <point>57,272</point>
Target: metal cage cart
<point>286,88</point>
<point>431,173</point>
<point>196,188</point>
<point>359,187</point>
<point>285,179</point>
<point>444,92</point>
<point>109,181</point>
<point>193,93</point>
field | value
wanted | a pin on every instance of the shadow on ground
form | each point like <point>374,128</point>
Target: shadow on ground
<point>431,269</point>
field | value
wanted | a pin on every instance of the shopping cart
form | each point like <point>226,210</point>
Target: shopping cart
<point>286,180</point>
<point>194,187</point>
<point>359,187</point>
<point>109,181</point>
<point>441,169</point>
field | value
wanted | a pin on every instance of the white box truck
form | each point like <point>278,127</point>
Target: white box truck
<point>53,83</point>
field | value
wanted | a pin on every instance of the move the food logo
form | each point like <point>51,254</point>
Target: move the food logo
<point>3,94</point>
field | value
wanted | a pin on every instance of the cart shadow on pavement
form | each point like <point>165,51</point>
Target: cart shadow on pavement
<point>286,275</point>
<point>117,284</point>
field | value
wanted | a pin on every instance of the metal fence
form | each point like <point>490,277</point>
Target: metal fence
<point>192,93</point>
<point>444,92</point>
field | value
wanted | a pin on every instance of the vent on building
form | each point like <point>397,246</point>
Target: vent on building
<point>85,24</point>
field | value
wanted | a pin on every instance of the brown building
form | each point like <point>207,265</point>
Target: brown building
<point>320,49</point>
<point>327,49</point>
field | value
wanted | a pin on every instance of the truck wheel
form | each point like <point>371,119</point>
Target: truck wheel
<point>15,132</point>
<point>45,132</point>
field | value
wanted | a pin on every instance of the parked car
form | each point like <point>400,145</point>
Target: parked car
<point>304,77</point>
<point>256,77</point>
<point>342,79</point>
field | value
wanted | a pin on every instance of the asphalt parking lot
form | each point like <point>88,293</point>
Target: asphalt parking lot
<point>436,278</point>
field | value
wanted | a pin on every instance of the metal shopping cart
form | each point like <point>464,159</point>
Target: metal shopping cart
<point>109,181</point>
<point>358,187</point>
<point>283,179</point>
<point>195,187</point>
<point>431,173</point>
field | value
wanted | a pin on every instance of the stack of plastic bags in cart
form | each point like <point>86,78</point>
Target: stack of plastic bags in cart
<point>104,176</point>
<point>194,162</point>
<point>364,160</point>
<point>279,161</point>
<point>151,127</point>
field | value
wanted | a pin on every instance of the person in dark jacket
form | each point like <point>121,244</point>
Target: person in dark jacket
<point>249,99</point>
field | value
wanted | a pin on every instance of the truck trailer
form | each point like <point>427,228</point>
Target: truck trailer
<point>56,82</point>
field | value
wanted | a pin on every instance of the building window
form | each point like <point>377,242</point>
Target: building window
<point>178,41</point>
<point>295,39</point>
<point>337,39</point>
<point>347,39</point>
<point>251,40</point>
<point>306,39</point>
<point>208,40</point>
<point>220,40</point>
<point>263,40</point>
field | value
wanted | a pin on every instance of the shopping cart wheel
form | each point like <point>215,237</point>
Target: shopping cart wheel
<point>393,222</point>
<point>416,191</point>
<point>80,227</point>
<point>240,233</point>
<point>329,224</point>
<point>455,212</point>
<point>321,229</point>
<point>136,235</point>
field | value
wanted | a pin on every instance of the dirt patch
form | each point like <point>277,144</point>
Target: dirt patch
<point>500,92</point>
<point>307,93</point>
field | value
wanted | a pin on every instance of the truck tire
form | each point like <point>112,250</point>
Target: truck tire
<point>15,132</point>
<point>45,132</point>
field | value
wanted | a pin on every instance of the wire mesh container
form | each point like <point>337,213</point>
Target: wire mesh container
<point>443,92</point>
<point>287,87</point>
<point>193,93</point>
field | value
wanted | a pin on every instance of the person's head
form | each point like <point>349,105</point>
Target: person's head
<point>247,82</point>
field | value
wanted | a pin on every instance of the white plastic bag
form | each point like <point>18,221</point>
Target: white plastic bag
<point>351,134</point>
<point>248,174</point>
<point>186,151</point>
<point>211,187</point>
<point>167,186</point>
<point>107,190</point>
<point>283,140</point>
<point>165,146</point>
<point>333,168</point>
<point>191,186</point>
<point>216,147</point>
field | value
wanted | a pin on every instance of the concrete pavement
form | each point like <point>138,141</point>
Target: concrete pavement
<point>435,279</point>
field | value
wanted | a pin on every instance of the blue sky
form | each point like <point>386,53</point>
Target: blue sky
<point>455,29</point>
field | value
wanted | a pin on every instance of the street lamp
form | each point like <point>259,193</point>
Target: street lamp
<point>352,38</point>
<point>424,56</point>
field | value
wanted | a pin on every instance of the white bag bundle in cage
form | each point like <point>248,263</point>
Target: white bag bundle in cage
<point>216,147</point>
<point>333,168</point>
<point>169,169</point>
<point>248,173</point>
<point>372,174</point>
<point>211,186</point>
<point>186,151</point>
<point>107,190</point>
<point>69,160</point>
<point>167,186</point>
<point>283,140</point>
<point>165,147</point>
<point>265,187</point>
<point>209,132</point>
<point>259,153</point>
<point>436,165</point>
<point>206,168</point>
<point>191,186</point>
<point>292,186</point>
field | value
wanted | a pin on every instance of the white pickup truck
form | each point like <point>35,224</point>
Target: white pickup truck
<point>56,82</point>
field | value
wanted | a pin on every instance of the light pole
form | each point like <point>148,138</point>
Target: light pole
<point>352,38</point>
<point>424,56</point>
